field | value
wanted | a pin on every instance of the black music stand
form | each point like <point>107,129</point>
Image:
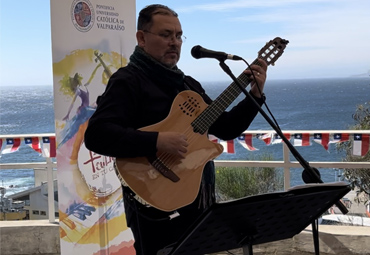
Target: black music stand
<point>257,219</point>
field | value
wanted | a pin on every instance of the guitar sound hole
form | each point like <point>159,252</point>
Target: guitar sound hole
<point>189,106</point>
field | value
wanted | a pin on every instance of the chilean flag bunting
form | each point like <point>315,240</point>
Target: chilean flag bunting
<point>267,138</point>
<point>11,145</point>
<point>34,143</point>
<point>322,139</point>
<point>228,146</point>
<point>302,140</point>
<point>338,138</point>
<point>49,147</point>
<point>278,139</point>
<point>246,141</point>
<point>360,144</point>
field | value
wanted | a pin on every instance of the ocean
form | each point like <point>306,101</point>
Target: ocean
<point>299,104</point>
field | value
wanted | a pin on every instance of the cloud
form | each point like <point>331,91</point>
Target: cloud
<point>328,36</point>
<point>242,4</point>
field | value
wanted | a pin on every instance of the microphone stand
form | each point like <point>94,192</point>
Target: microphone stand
<point>310,174</point>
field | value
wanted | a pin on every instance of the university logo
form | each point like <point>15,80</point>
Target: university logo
<point>82,14</point>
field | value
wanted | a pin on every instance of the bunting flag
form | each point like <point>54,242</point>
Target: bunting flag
<point>246,141</point>
<point>34,143</point>
<point>267,138</point>
<point>360,144</point>
<point>302,139</point>
<point>213,138</point>
<point>11,145</point>
<point>278,139</point>
<point>49,147</point>
<point>322,139</point>
<point>228,146</point>
<point>338,138</point>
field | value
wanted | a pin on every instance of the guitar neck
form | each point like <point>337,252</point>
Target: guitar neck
<point>269,53</point>
<point>202,123</point>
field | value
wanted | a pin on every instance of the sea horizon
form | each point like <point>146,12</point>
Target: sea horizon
<point>225,80</point>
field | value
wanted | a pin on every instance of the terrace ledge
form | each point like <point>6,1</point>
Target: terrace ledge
<point>32,237</point>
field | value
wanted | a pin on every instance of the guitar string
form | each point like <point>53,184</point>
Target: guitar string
<point>169,160</point>
<point>224,100</point>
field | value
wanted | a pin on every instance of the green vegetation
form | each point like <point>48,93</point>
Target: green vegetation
<point>238,182</point>
<point>358,178</point>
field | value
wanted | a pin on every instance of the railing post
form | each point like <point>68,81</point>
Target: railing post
<point>286,167</point>
<point>50,176</point>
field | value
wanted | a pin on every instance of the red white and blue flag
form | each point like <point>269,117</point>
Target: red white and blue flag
<point>267,138</point>
<point>49,147</point>
<point>246,141</point>
<point>338,138</point>
<point>322,139</point>
<point>278,139</point>
<point>302,139</point>
<point>34,143</point>
<point>213,138</point>
<point>228,146</point>
<point>360,144</point>
<point>11,145</point>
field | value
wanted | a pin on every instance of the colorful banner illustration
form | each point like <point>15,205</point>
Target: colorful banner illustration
<point>91,39</point>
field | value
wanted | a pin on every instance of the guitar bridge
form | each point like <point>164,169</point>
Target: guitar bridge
<point>163,169</point>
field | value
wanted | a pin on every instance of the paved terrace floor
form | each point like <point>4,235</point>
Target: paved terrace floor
<point>42,237</point>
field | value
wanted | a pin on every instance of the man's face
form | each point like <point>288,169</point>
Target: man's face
<point>160,40</point>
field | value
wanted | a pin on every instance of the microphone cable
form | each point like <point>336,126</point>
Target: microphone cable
<point>261,93</point>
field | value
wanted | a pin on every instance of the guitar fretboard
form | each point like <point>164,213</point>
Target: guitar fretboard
<point>221,103</point>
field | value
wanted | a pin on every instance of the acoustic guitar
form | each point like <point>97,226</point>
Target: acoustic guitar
<point>167,182</point>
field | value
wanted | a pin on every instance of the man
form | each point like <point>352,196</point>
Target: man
<point>141,94</point>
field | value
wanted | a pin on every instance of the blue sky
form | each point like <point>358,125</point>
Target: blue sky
<point>327,38</point>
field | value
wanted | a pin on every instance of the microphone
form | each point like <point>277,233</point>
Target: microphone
<point>200,52</point>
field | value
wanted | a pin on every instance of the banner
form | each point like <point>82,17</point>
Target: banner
<point>91,39</point>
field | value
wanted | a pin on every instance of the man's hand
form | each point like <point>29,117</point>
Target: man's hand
<point>260,74</point>
<point>173,143</point>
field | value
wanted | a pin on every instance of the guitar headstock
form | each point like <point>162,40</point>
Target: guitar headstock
<point>272,50</point>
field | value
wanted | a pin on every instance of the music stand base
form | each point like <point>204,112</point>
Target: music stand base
<point>248,249</point>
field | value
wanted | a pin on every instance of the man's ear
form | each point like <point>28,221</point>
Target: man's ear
<point>140,38</point>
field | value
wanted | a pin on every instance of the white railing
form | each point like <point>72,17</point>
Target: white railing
<point>286,163</point>
<point>49,165</point>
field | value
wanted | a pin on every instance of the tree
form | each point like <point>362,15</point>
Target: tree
<point>358,178</point>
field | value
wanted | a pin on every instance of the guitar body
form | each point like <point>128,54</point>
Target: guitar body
<point>152,186</point>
